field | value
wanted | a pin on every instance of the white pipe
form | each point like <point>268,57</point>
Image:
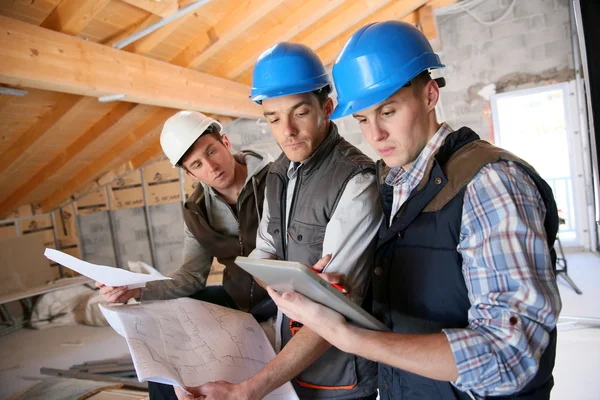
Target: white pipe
<point>159,24</point>
<point>13,92</point>
<point>111,97</point>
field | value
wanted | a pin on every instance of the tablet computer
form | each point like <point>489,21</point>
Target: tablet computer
<point>285,276</point>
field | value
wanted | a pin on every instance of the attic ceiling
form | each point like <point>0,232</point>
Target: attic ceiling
<point>58,137</point>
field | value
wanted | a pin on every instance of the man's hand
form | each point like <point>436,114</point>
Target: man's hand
<point>334,278</point>
<point>220,390</point>
<point>118,294</point>
<point>320,319</point>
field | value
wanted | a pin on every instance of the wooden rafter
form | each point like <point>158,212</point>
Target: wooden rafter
<point>223,33</point>
<point>428,25</point>
<point>304,17</point>
<point>149,153</point>
<point>333,25</point>
<point>36,57</point>
<point>397,10</point>
<point>107,159</point>
<point>71,16</point>
<point>162,8</point>
<point>33,134</point>
<point>111,118</point>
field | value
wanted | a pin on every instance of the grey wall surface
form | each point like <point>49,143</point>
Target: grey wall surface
<point>96,240</point>
<point>530,47</point>
<point>167,227</point>
<point>132,235</point>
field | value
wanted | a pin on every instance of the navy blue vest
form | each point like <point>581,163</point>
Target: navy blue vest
<point>418,285</point>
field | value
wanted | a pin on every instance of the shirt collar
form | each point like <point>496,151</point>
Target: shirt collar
<point>398,176</point>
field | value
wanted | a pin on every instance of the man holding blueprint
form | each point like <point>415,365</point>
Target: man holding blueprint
<point>221,220</point>
<point>321,199</point>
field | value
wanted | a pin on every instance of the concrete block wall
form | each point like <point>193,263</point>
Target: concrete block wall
<point>530,47</point>
<point>96,240</point>
<point>132,235</point>
<point>167,227</point>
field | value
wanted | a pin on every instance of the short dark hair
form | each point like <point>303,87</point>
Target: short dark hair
<point>420,80</point>
<point>213,130</point>
<point>322,94</point>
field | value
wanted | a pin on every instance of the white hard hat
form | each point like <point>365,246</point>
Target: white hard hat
<point>181,131</point>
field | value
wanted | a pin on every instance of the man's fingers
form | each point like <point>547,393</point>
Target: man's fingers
<point>333,277</point>
<point>181,394</point>
<point>99,284</point>
<point>116,295</point>
<point>322,263</point>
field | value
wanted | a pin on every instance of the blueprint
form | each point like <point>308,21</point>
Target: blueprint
<point>187,342</point>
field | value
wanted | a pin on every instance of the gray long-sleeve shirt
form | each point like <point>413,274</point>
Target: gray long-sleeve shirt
<point>197,261</point>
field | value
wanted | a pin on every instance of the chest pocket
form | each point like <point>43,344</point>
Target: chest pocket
<point>305,242</point>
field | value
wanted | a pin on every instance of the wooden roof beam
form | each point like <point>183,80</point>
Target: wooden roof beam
<point>441,3</point>
<point>39,58</point>
<point>152,151</point>
<point>224,32</point>
<point>304,17</point>
<point>110,119</point>
<point>162,8</point>
<point>329,28</point>
<point>36,131</point>
<point>150,126</point>
<point>397,10</point>
<point>428,25</point>
<point>72,16</point>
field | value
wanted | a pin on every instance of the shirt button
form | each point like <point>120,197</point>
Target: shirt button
<point>276,231</point>
<point>378,271</point>
<point>299,238</point>
<point>438,180</point>
<point>400,235</point>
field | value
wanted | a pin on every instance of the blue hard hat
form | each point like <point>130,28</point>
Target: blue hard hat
<point>286,69</point>
<point>377,60</point>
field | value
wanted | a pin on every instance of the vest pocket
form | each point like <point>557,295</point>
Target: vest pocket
<point>334,370</point>
<point>302,234</point>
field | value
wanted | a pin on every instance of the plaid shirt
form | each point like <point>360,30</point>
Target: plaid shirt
<point>506,264</point>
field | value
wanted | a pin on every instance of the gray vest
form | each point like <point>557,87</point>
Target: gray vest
<point>319,186</point>
<point>238,283</point>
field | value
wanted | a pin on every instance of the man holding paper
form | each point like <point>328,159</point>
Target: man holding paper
<point>321,199</point>
<point>221,216</point>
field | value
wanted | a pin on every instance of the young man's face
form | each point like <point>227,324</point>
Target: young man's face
<point>399,128</point>
<point>210,162</point>
<point>298,123</point>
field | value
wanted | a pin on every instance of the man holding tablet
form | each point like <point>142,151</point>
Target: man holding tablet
<point>321,199</point>
<point>464,263</point>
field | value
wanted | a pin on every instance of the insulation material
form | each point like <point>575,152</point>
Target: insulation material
<point>23,211</point>
<point>42,225</point>
<point>8,229</point>
<point>65,221</point>
<point>93,202</point>
<point>162,183</point>
<point>70,245</point>
<point>127,192</point>
<point>23,263</point>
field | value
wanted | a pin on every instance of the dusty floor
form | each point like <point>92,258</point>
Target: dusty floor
<point>577,370</point>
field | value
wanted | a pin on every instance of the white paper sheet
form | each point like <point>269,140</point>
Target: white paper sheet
<point>143,267</point>
<point>107,275</point>
<point>188,342</point>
